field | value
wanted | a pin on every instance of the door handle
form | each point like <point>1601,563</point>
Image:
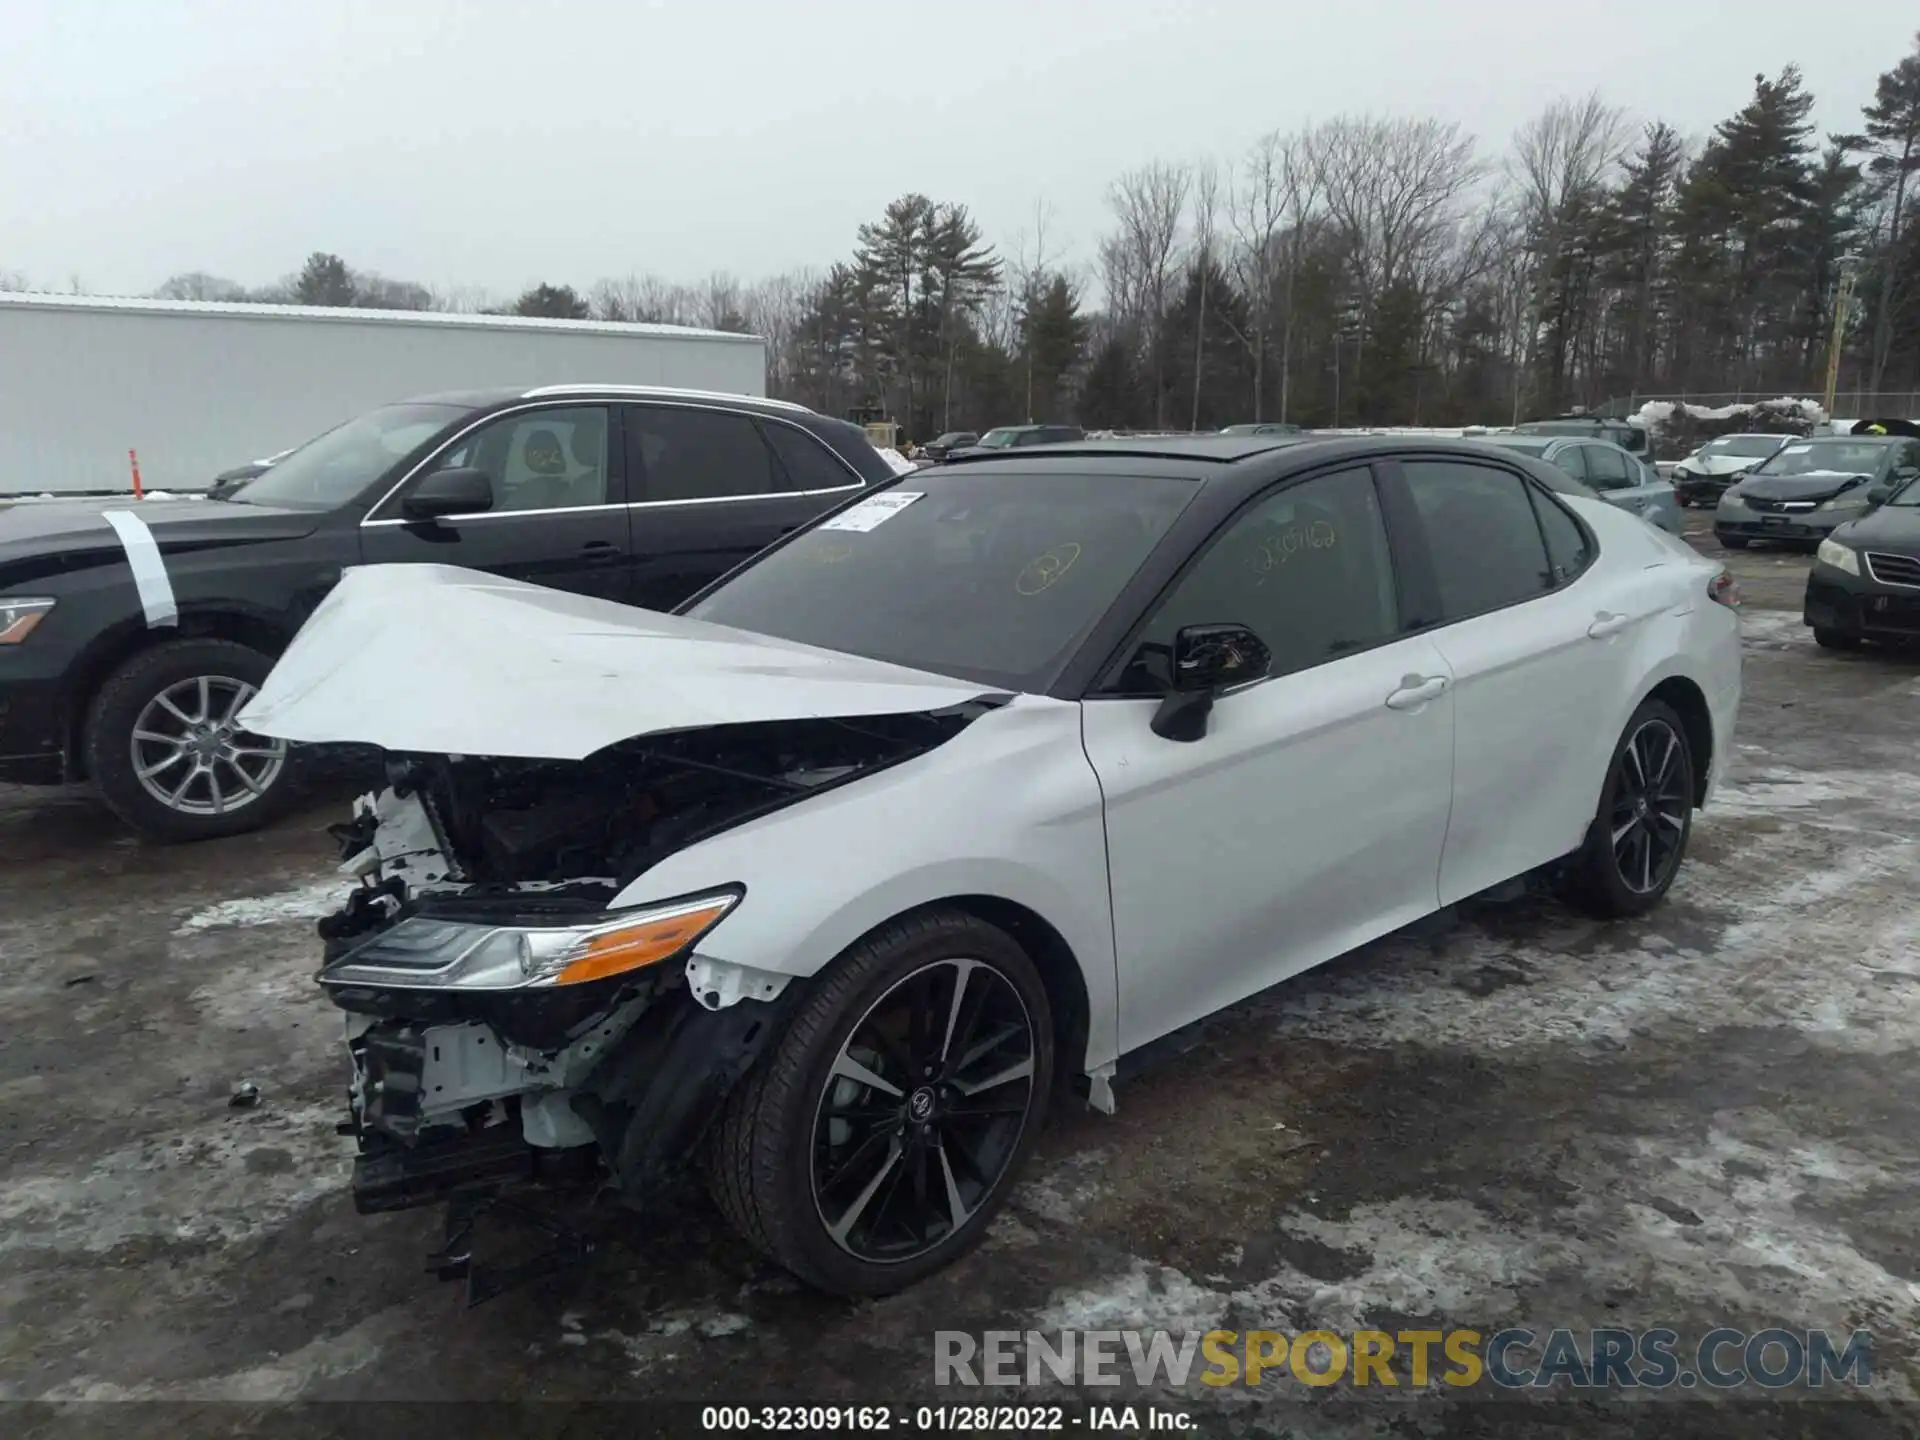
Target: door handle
<point>1604,625</point>
<point>599,552</point>
<point>1415,691</point>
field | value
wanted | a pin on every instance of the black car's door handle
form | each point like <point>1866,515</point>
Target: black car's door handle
<point>599,552</point>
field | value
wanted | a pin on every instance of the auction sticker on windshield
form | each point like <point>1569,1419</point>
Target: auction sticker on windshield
<point>873,510</point>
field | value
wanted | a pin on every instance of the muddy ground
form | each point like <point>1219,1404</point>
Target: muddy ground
<point>1709,1117</point>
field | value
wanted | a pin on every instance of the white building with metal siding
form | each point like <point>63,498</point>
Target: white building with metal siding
<point>196,388</point>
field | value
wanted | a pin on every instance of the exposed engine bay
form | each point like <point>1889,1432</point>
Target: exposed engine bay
<point>583,830</point>
<point>466,1088</point>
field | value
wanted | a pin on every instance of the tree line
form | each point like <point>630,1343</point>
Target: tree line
<point>1358,270</point>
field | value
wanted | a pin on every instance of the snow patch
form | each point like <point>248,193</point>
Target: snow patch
<point>896,462</point>
<point>305,902</point>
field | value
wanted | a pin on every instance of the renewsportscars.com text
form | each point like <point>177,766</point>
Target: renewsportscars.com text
<point>1607,1359</point>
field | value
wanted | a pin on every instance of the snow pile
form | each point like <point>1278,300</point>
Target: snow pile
<point>1667,422</point>
<point>896,462</point>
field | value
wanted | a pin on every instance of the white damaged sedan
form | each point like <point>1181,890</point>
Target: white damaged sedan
<point>962,796</point>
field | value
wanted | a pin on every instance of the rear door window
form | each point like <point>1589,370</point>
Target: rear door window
<point>678,454</point>
<point>1573,460</point>
<point>1482,535</point>
<point>808,464</point>
<point>1607,468</point>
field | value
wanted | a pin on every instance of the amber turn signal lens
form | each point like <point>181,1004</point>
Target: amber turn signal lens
<point>634,947</point>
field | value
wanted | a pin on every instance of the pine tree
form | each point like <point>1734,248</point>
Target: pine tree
<point>1893,140</point>
<point>1639,221</point>
<point>324,280</point>
<point>1053,337</point>
<point>552,302</point>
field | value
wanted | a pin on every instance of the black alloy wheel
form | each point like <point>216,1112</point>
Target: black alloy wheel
<point>1639,833</point>
<point>885,1126</point>
<point>922,1110</point>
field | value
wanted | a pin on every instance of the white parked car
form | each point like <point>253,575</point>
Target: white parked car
<point>1704,476</point>
<point>979,784</point>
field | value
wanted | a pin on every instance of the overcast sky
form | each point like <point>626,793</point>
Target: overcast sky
<point>497,143</point>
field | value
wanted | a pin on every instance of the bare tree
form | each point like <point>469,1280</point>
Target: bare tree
<point>1206,217</point>
<point>198,285</point>
<point>1149,204</point>
<point>720,302</point>
<point>12,280</point>
<point>1027,277</point>
<point>1277,194</point>
<point>1561,163</point>
<point>774,309</point>
<point>1390,184</point>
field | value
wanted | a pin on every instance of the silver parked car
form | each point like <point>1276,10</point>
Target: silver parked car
<point>1617,476</point>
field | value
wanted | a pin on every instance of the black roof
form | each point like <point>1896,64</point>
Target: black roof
<point>1247,463</point>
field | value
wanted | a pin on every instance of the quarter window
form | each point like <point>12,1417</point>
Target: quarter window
<point>1307,570</point>
<point>808,463</point>
<point>1573,460</point>
<point>688,454</point>
<point>1481,532</point>
<point>1568,549</point>
<point>545,460</point>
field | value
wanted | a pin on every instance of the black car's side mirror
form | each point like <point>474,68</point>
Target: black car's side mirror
<point>1880,493</point>
<point>458,491</point>
<point>1206,660</point>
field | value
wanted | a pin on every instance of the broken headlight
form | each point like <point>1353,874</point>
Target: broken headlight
<point>431,952</point>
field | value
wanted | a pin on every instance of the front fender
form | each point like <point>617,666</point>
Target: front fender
<point>1009,809</point>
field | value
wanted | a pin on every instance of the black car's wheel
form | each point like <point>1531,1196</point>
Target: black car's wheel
<point>1734,542</point>
<point>1639,833</point>
<point>1828,639</point>
<point>165,749</point>
<point>874,1143</point>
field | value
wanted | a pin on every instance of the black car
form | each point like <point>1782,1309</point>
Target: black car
<point>1013,437</point>
<point>131,636</point>
<point>228,481</point>
<point>1277,427</point>
<point>1865,581</point>
<point>1803,492</point>
<point>946,444</point>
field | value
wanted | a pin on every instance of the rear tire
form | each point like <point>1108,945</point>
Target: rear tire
<point>1834,639</point>
<point>1733,542</point>
<point>1639,832</point>
<point>161,725</point>
<point>861,1188</point>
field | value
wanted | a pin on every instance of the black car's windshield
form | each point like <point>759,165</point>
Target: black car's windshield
<point>955,437</point>
<point>986,577</point>
<point>331,470</point>
<point>1536,448</point>
<point>1908,495</point>
<point>999,439</point>
<point>1741,445</point>
<point>1827,457</point>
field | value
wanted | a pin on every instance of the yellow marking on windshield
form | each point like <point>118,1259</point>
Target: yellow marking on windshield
<point>1045,569</point>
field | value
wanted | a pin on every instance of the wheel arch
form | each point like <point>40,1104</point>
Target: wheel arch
<point>1060,969</point>
<point>118,644</point>
<point>1687,700</point>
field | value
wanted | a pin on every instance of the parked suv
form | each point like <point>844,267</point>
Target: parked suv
<point>131,636</point>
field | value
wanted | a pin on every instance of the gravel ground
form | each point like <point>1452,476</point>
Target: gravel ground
<point>1704,1118</point>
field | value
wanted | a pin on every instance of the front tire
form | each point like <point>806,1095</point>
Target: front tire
<point>165,751</point>
<point>1828,639</point>
<point>875,1142</point>
<point>1639,833</point>
<point>1734,542</point>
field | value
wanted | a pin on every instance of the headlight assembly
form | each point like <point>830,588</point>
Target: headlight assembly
<point>1850,500</point>
<point>19,617</point>
<point>1840,557</point>
<point>1731,500</point>
<point>426,952</point>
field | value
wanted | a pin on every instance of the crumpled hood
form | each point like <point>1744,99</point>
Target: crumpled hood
<point>1718,464</point>
<point>1813,485</point>
<point>441,660</point>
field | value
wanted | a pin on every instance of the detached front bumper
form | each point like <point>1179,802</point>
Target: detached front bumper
<point>1700,489</point>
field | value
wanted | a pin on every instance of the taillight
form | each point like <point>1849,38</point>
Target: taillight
<point>1723,591</point>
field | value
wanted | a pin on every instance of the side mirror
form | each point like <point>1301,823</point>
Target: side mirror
<point>458,491</point>
<point>1206,660</point>
<point>1879,494</point>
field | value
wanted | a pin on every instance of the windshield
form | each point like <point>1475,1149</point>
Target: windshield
<point>999,439</point>
<point>955,437</point>
<point>1525,447</point>
<point>1908,495</point>
<point>1834,457</point>
<point>1742,445</point>
<point>328,472</point>
<point>988,577</point>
